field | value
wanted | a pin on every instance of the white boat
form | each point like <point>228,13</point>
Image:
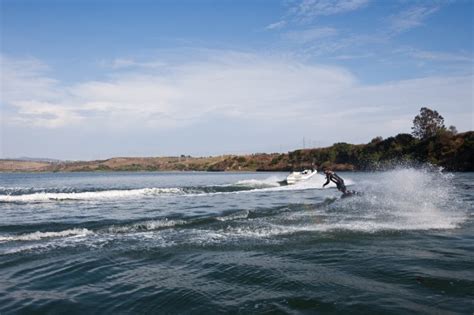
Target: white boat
<point>295,177</point>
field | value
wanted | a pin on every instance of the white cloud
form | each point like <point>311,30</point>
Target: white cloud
<point>34,97</point>
<point>26,76</point>
<point>44,114</point>
<point>411,18</point>
<point>309,9</point>
<point>245,87</point>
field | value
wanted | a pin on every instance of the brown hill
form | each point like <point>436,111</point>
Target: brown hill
<point>452,151</point>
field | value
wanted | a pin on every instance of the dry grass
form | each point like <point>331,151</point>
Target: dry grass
<point>22,166</point>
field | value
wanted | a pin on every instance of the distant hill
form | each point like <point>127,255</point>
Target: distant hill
<point>454,152</point>
<point>7,165</point>
<point>33,159</point>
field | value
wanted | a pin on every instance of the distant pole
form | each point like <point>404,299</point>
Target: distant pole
<point>304,143</point>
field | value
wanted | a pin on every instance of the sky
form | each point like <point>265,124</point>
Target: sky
<point>84,79</point>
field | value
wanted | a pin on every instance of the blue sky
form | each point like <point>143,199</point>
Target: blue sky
<point>96,79</point>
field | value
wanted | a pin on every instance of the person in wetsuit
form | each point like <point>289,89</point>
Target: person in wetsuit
<point>333,177</point>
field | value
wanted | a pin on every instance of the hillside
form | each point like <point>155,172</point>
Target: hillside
<point>452,151</point>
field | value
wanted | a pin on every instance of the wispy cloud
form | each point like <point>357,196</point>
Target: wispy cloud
<point>344,45</point>
<point>411,17</point>
<point>317,39</point>
<point>276,26</point>
<point>309,35</point>
<point>354,56</point>
<point>309,9</point>
<point>121,63</point>
<point>440,56</point>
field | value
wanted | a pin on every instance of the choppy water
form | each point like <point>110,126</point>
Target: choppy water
<point>237,243</point>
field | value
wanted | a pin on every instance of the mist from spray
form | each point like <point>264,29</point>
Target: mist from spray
<point>405,199</point>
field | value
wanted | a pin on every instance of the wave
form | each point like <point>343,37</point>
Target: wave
<point>36,236</point>
<point>400,200</point>
<point>166,234</point>
<point>90,195</point>
<point>272,181</point>
<point>140,226</point>
<point>145,226</point>
<point>17,191</point>
<point>22,194</point>
<point>234,216</point>
<point>271,184</point>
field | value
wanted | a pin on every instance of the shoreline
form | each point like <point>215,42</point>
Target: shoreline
<point>453,152</point>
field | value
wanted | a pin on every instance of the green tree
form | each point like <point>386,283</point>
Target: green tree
<point>427,123</point>
<point>376,140</point>
<point>453,130</point>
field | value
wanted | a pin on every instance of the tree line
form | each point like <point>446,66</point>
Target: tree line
<point>430,142</point>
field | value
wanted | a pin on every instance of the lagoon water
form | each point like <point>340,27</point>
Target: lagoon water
<point>236,243</point>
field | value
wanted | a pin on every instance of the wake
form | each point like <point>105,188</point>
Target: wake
<point>403,199</point>
<point>89,195</point>
<point>400,200</point>
<point>243,186</point>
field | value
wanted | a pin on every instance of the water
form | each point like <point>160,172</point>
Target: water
<point>236,243</point>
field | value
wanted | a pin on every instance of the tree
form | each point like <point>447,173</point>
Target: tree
<point>376,140</point>
<point>427,123</point>
<point>453,130</point>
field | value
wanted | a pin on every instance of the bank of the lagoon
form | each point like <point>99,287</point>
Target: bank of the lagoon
<point>454,152</point>
<point>236,243</point>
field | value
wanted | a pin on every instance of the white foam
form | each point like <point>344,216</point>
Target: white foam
<point>234,216</point>
<point>402,199</point>
<point>315,182</point>
<point>108,194</point>
<point>273,230</point>
<point>272,181</point>
<point>36,236</point>
<point>145,226</point>
<point>90,240</point>
<point>269,184</point>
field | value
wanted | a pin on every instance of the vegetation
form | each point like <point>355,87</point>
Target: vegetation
<point>431,143</point>
<point>428,123</point>
<point>451,151</point>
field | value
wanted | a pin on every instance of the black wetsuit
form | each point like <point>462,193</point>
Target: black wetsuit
<point>337,180</point>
